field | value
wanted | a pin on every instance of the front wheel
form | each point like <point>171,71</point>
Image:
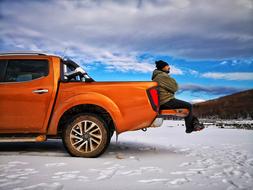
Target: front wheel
<point>86,136</point>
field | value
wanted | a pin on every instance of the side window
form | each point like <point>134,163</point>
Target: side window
<point>25,70</point>
<point>2,69</point>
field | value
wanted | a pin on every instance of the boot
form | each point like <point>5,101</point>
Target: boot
<point>196,126</point>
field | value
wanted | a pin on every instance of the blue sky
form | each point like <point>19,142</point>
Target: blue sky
<point>209,44</point>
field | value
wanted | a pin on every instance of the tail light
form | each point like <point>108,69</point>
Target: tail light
<point>154,98</point>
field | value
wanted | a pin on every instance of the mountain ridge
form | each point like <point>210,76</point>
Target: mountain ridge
<point>233,106</point>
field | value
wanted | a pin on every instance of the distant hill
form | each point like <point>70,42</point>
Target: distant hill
<point>239,105</point>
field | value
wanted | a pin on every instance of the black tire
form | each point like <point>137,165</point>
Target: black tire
<point>111,133</point>
<point>86,136</point>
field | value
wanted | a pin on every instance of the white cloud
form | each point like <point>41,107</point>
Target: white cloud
<point>237,62</point>
<point>193,72</point>
<point>175,70</point>
<point>229,76</point>
<point>197,101</point>
<point>223,63</point>
<point>123,62</point>
<point>186,28</point>
<point>208,89</point>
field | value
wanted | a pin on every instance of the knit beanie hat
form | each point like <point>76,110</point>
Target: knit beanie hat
<point>160,64</point>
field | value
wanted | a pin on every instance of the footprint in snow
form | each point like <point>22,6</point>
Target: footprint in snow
<point>52,186</point>
<point>11,174</point>
<point>55,164</point>
<point>69,175</point>
<point>108,172</point>
<point>155,181</point>
<point>141,171</point>
<point>179,181</point>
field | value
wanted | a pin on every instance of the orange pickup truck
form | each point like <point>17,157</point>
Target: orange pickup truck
<point>44,96</point>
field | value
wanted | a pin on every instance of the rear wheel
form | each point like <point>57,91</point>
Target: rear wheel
<point>86,136</point>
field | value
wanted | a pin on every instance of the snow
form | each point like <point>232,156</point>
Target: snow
<point>161,158</point>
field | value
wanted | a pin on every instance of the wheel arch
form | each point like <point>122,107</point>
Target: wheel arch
<point>85,103</point>
<point>85,108</point>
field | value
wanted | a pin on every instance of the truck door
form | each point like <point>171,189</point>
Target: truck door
<point>25,93</point>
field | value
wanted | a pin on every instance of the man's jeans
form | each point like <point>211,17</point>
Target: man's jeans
<point>176,104</point>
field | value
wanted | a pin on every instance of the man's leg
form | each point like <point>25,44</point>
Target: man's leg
<point>176,104</point>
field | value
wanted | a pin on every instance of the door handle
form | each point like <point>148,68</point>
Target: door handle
<point>40,91</point>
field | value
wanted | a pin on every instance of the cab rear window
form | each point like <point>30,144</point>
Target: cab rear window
<point>25,70</point>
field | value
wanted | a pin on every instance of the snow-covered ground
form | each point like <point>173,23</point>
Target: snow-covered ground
<point>161,158</point>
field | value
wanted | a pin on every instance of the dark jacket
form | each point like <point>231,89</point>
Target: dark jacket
<point>167,85</point>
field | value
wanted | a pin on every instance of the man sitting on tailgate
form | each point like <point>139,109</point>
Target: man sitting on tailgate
<point>167,88</point>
